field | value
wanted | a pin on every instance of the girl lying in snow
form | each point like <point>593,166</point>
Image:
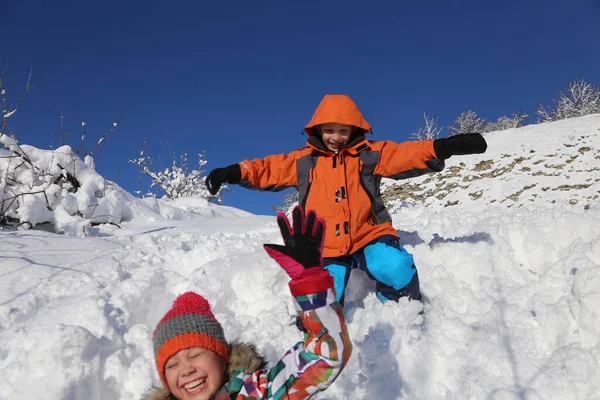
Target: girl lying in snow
<point>194,361</point>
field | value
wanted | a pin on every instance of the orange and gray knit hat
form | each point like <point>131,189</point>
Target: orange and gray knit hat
<point>189,323</point>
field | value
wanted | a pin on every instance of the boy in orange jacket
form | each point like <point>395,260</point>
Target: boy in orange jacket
<point>338,175</point>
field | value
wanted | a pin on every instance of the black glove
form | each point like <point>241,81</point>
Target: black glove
<point>218,176</point>
<point>458,145</point>
<point>303,244</point>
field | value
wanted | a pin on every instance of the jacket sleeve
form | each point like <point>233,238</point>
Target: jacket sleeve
<point>407,159</point>
<point>272,173</point>
<point>313,364</point>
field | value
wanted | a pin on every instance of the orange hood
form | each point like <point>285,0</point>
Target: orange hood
<point>337,108</point>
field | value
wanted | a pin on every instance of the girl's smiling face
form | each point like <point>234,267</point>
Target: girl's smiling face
<point>194,374</point>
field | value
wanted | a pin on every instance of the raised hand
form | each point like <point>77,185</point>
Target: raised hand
<point>303,242</point>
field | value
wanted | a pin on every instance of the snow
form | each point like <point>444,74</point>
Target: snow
<point>8,114</point>
<point>533,166</point>
<point>512,288</point>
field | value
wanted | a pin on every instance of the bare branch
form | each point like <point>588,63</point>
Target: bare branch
<point>16,196</point>
<point>5,112</point>
<point>62,136</point>
<point>82,150</point>
<point>28,88</point>
<point>141,153</point>
<point>102,141</point>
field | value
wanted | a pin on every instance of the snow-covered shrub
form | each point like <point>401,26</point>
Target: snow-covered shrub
<point>54,187</point>
<point>290,200</point>
<point>467,122</point>
<point>506,122</point>
<point>429,130</point>
<point>178,180</point>
<point>581,98</point>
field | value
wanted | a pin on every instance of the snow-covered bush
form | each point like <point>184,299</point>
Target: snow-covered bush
<point>177,180</point>
<point>506,122</point>
<point>581,98</point>
<point>52,187</point>
<point>290,200</point>
<point>467,122</point>
<point>429,130</point>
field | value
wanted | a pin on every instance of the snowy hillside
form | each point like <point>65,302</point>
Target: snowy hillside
<point>512,287</point>
<point>533,165</point>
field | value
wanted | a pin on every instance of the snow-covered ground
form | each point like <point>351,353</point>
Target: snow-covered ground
<point>511,310</point>
<point>536,165</point>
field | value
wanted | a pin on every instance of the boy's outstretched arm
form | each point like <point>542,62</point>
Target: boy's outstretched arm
<point>410,159</point>
<point>272,173</point>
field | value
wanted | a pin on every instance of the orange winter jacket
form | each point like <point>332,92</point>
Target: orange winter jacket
<point>343,188</point>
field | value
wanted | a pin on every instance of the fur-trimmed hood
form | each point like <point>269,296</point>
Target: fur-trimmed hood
<point>243,356</point>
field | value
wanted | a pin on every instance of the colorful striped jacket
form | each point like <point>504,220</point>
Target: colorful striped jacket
<point>311,365</point>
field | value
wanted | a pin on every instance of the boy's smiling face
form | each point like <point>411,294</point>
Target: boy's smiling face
<point>335,136</point>
<point>194,374</point>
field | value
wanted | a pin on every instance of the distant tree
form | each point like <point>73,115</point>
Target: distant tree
<point>505,122</point>
<point>581,98</point>
<point>467,122</point>
<point>177,180</point>
<point>428,130</point>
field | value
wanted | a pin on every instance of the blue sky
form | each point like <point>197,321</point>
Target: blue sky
<point>240,79</point>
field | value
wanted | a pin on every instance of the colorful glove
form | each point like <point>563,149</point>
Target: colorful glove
<point>458,145</point>
<point>303,244</point>
<point>218,176</point>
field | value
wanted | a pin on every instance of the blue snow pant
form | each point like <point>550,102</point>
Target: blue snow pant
<point>386,262</point>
